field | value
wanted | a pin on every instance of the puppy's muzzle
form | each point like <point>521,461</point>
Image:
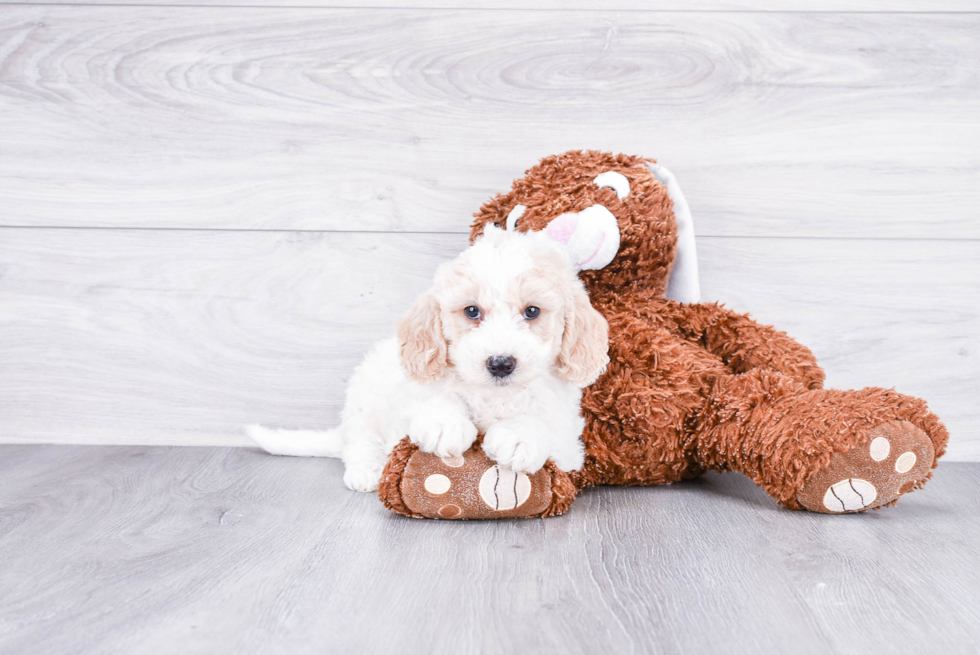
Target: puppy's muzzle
<point>501,366</point>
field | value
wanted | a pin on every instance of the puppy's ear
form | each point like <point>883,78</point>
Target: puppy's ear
<point>421,343</point>
<point>584,350</point>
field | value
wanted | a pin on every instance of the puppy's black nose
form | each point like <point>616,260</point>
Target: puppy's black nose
<point>501,367</point>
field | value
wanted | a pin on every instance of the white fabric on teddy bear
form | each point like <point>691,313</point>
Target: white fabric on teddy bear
<point>683,284</point>
<point>591,236</point>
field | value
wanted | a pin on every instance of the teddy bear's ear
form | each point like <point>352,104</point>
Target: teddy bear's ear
<point>683,284</point>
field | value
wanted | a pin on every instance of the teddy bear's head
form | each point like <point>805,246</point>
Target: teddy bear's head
<point>615,217</point>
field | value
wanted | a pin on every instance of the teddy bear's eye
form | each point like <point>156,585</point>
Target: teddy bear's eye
<point>615,181</point>
<point>514,216</point>
<point>472,312</point>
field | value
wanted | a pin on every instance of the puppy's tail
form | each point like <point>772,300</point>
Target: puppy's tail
<point>297,443</point>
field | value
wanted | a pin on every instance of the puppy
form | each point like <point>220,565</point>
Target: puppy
<point>501,344</point>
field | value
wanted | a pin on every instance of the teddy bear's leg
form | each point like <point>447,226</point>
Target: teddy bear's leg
<point>424,485</point>
<point>894,458</point>
<point>822,450</point>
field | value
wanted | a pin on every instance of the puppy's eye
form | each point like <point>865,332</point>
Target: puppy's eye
<point>472,312</point>
<point>532,312</point>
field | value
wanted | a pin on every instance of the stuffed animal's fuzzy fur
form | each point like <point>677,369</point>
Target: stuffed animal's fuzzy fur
<point>697,387</point>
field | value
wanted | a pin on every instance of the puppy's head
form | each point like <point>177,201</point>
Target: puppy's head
<point>505,311</point>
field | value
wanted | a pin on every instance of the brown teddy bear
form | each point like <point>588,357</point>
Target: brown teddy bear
<point>691,387</point>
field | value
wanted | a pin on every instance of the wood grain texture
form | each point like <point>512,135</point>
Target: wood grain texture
<point>776,124</point>
<point>187,333</point>
<point>887,6</point>
<point>215,550</point>
<point>171,336</point>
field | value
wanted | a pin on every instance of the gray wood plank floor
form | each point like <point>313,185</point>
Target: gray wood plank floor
<point>228,550</point>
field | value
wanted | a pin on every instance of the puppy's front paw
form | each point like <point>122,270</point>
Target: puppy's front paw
<point>362,478</point>
<point>514,446</point>
<point>446,434</point>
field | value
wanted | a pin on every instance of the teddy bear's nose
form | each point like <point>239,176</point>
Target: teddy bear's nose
<point>500,366</point>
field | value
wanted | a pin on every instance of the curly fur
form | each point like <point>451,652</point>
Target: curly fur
<point>433,381</point>
<point>422,348</point>
<point>697,387</point>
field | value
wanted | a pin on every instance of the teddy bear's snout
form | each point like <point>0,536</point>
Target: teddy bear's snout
<point>591,236</point>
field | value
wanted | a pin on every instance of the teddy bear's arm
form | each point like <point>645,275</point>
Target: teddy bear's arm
<point>744,344</point>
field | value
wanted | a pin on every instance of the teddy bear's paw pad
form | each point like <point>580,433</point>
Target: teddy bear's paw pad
<point>503,489</point>
<point>850,495</point>
<point>895,459</point>
<point>472,487</point>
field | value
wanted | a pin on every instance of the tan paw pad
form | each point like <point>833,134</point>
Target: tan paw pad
<point>437,484</point>
<point>880,447</point>
<point>905,462</point>
<point>502,488</point>
<point>453,461</point>
<point>849,495</point>
<point>450,511</point>
<point>895,458</point>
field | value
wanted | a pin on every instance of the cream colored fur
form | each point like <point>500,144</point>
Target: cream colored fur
<point>432,384</point>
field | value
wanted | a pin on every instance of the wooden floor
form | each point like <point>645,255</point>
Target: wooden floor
<point>113,549</point>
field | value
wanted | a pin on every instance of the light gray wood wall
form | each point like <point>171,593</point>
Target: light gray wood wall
<point>208,213</point>
<point>837,6</point>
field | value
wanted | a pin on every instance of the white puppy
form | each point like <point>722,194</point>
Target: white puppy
<point>501,344</point>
